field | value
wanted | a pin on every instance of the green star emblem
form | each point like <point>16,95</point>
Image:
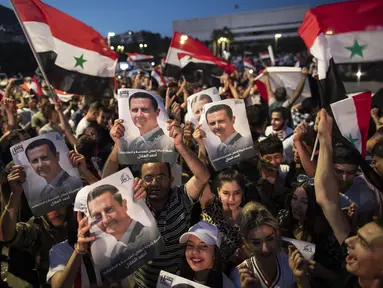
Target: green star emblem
<point>80,61</point>
<point>356,49</point>
<point>352,140</point>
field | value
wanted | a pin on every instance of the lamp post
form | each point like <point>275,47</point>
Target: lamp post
<point>110,35</point>
<point>276,37</point>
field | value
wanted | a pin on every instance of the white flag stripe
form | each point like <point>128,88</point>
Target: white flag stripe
<point>371,52</point>
<point>346,118</point>
<point>43,41</point>
<point>320,50</point>
<point>288,77</point>
<point>188,59</point>
<point>172,56</point>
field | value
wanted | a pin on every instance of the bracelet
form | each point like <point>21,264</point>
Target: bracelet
<point>78,251</point>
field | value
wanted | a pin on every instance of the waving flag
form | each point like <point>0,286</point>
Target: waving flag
<point>182,44</point>
<point>248,64</point>
<point>353,38</point>
<point>74,56</point>
<point>352,115</point>
<point>159,78</point>
<point>139,57</point>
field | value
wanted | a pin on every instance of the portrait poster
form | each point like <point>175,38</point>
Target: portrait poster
<point>169,280</point>
<point>51,181</point>
<point>146,137</point>
<point>228,137</point>
<point>196,102</point>
<point>126,234</point>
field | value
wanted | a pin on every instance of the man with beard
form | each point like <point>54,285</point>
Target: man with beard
<point>144,112</point>
<point>279,121</point>
<point>39,234</point>
<point>110,211</point>
<point>352,185</point>
<point>221,121</point>
<point>171,207</point>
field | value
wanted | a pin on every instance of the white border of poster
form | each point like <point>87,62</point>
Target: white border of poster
<point>169,280</point>
<point>117,256</point>
<point>44,197</point>
<point>238,146</point>
<point>152,146</point>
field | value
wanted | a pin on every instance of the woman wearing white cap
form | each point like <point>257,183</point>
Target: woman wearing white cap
<point>202,262</point>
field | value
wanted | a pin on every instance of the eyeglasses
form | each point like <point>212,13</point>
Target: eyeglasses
<point>304,178</point>
<point>159,178</point>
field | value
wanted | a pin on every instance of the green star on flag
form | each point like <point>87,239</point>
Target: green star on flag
<point>80,61</point>
<point>356,49</point>
<point>352,140</point>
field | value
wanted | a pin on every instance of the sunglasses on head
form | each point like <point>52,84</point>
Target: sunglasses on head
<point>304,178</point>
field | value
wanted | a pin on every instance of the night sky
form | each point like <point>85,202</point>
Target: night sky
<point>123,15</point>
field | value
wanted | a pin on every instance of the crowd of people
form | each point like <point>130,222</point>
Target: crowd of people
<point>220,228</point>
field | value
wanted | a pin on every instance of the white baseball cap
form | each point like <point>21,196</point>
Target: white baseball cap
<point>204,231</point>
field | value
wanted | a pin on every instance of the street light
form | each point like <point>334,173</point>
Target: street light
<point>110,35</point>
<point>153,63</point>
<point>183,39</point>
<point>145,45</point>
<point>277,36</point>
<point>141,45</point>
<point>112,47</point>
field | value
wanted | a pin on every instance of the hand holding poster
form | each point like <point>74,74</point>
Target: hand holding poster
<point>197,101</point>
<point>51,180</point>
<point>228,137</point>
<point>126,234</point>
<point>146,137</point>
<point>167,280</point>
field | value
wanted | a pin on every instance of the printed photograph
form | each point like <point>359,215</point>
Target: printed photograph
<point>51,181</point>
<point>146,137</point>
<point>167,280</point>
<point>196,102</point>
<point>126,232</point>
<point>228,137</point>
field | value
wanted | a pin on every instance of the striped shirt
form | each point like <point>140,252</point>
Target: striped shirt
<point>172,221</point>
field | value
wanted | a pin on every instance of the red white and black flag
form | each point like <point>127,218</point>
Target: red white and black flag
<point>355,37</point>
<point>185,45</point>
<point>74,56</point>
<point>139,57</point>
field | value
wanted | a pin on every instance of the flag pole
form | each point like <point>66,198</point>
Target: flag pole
<point>53,93</point>
<point>315,147</point>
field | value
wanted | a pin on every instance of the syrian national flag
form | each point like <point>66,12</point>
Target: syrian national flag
<point>159,78</point>
<point>139,57</point>
<point>63,96</point>
<point>248,64</point>
<point>182,44</point>
<point>355,37</point>
<point>74,57</point>
<point>352,115</point>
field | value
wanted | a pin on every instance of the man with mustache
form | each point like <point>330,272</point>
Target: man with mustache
<point>44,159</point>
<point>221,122</point>
<point>144,112</point>
<point>109,211</point>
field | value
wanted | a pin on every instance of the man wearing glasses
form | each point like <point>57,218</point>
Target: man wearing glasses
<point>171,207</point>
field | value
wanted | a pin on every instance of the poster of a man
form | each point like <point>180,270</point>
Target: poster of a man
<point>51,180</point>
<point>126,234</point>
<point>228,137</point>
<point>145,125</point>
<point>197,101</point>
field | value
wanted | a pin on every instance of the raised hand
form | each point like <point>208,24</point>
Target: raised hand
<point>83,237</point>
<point>77,160</point>
<point>16,179</point>
<point>175,132</point>
<point>139,189</point>
<point>323,125</point>
<point>176,111</point>
<point>169,100</point>
<point>199,134</point>
<point>300,131</point>
<point>117,130</point>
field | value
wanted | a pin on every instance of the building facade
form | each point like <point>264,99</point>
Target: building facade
<point>249,28</point>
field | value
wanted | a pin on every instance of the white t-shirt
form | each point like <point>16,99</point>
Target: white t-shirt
<point>82,125</point>
<point>59,256</point>
<point>284,279</point>
<point>286,132</point>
